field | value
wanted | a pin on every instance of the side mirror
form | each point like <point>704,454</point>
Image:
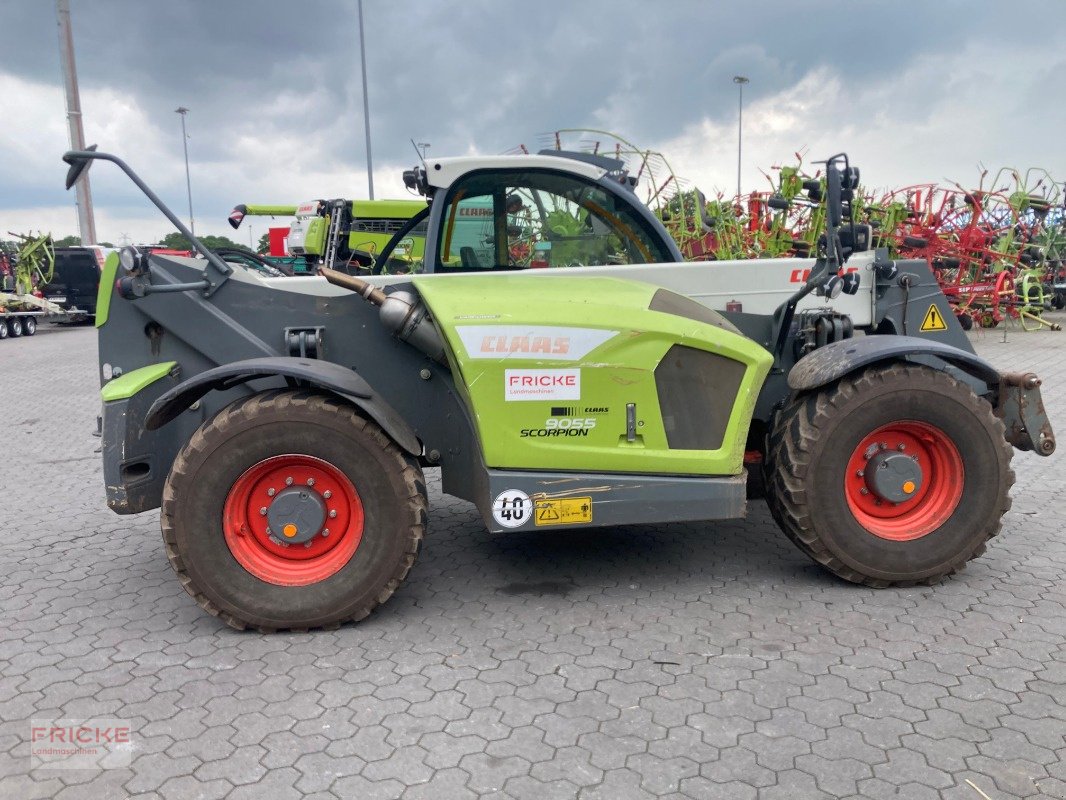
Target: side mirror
<point>237,215</point>
<point>78,164</point>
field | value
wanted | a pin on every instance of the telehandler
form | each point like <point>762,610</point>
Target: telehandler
<point>283,426</point>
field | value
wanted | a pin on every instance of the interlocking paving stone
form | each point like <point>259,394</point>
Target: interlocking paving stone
<point>690,661</point>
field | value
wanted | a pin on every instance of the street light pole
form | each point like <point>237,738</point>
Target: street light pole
<point>182,110</point>
<point>740,80</point>
<point>86,220</point>
<point>366,105</point>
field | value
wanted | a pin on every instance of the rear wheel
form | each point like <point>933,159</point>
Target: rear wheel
<point>288,510</point>
<point>29,326</point>
<point>14,327</point>
<point>894,475</point>
<point>3,329</point>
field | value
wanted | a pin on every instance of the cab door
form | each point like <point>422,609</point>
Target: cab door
<point>509,220</point>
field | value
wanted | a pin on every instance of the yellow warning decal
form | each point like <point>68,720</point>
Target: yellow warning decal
<point>933,320</point>
<point>564,511</point>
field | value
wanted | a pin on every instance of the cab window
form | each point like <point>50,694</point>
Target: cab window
<point>521,220</point>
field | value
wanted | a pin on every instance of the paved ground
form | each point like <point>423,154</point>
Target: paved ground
<point>685,660</point>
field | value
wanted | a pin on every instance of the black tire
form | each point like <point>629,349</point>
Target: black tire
<point>815,435</point>
<point>965,320</point>
<point>14,327</point>
<point>389,483</point>
<point>29,326</point>
<point>3,329</point>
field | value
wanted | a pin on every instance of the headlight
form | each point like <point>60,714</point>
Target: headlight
<point>133,261</point>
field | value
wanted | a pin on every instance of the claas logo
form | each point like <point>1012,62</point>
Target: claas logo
<point>801,275</point>
<point>559,345</point>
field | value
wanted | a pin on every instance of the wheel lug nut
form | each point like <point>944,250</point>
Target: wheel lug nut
<point>325,531</point>
<point>864,490</point>
<point>307,544</point>
<point>310,481</point>
<point>327,494</point>
<point>263,511</point>
<point>901,447</point>
<point>332,514</point>
<point>271,492</point>
<point>859,473</point>
<point>288,481</point>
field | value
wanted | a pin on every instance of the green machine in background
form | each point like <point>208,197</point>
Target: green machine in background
<point>341,234</point>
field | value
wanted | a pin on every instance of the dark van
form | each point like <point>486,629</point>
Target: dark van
<point>75,281</point>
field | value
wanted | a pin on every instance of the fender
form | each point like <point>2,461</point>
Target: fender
<point>323,374</point>
<point>1017,396</point>
<point>834,361</point>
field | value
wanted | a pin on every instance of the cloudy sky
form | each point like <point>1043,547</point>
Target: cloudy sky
<point>914,93</point>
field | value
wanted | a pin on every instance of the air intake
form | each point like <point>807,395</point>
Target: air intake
<point>697,391</point>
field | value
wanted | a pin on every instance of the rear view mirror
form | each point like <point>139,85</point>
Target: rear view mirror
<point>78,164</point>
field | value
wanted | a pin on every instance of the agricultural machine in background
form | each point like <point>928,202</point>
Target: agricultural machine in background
<point>999,253</point>
<point>39,281</point>
<point>592,379</point>
<point>339,234</point>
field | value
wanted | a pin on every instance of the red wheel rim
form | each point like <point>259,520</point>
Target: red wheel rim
<point>933,501</point>
<point>262,552</point>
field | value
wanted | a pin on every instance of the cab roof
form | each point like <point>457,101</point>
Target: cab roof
<point>443,172</point>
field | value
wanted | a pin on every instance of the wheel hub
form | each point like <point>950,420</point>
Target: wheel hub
<point>293,520</point>
<point>904,480</point>
<point>893,477</point>
<point>296,515</point>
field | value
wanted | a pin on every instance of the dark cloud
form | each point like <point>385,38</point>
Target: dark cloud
<point>486,74</point>
<point>482,71</point>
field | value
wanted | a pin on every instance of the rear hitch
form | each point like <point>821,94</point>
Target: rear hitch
<point>1021,407</point>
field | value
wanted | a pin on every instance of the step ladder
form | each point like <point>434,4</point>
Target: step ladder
<point>333,237</point>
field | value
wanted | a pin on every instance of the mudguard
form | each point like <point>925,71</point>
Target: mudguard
<point>834,361</point>
<point>1017,396</point>
<point>322,374</point>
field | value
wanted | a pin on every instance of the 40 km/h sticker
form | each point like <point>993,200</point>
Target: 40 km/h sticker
<point>564,511</point>
<point>512,508</point>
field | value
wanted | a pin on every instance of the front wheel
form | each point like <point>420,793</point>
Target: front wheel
<point>288,510</point>
<point>895,475</point>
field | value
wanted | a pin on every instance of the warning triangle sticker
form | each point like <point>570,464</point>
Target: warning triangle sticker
<point>933,320</point>
<point>547,512</point>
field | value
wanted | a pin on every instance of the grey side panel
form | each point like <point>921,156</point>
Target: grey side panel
<point>248,316</point>
<point>621,499</point>
<point>137,461</point>
<point>903,304</point>
<point>827,364</point>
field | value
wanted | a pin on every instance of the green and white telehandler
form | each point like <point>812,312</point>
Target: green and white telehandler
<point>564,368</point>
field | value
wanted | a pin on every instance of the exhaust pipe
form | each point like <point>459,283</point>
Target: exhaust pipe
<point>403,314</point>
